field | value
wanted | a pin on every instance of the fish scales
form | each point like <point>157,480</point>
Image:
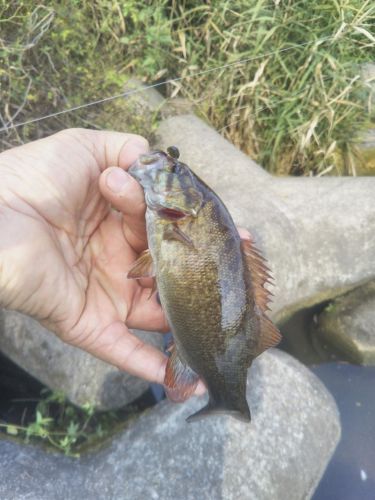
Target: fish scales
<point>206,288</point>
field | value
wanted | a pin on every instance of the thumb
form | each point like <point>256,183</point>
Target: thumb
<point>119,188</point>
<point>126,195</point>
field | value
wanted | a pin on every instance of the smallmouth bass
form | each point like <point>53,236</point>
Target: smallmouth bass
<point>211,285</point>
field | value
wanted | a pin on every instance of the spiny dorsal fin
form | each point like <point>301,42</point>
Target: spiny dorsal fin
<point>143,267</point>
<point>260,276</point>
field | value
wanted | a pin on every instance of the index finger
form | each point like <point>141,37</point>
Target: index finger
<point>118,346</point>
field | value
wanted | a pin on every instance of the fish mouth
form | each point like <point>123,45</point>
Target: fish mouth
<point>171,214</point>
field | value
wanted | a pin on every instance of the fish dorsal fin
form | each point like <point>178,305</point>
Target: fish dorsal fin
<point>260,276</point>
<point>143,267</point>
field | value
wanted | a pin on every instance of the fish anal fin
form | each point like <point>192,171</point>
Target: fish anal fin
<point>180,380</point>
<point>143,267</point>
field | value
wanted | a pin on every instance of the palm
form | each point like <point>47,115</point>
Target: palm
<point>75,250</point>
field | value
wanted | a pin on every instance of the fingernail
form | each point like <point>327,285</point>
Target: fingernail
<point>116,180</point>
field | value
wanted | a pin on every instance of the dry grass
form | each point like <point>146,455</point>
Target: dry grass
<point>294,110</point>
<point>297,107</point>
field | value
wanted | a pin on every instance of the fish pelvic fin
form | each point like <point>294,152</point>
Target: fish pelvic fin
<point>180,380</point>
<point>240,412</point>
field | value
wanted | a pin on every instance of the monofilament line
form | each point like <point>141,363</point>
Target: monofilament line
<point>159,84</point>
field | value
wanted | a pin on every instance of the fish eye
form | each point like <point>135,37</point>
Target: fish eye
<point>173,152</point>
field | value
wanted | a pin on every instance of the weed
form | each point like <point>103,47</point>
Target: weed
<point>65,427</point>
<point>298,108</point>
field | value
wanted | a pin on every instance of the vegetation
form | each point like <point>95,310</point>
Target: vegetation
<point>296,106</point>
<point>62,426</point>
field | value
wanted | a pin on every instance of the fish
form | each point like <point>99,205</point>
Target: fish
<point>212,285</point>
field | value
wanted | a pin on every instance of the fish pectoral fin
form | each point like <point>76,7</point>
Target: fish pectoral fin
<point>143,267</point>
<point>175,233</point>
<point>180,380</point>
<point>269,335</point>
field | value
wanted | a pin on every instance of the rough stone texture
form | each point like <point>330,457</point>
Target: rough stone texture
<point>83,378</point>
<point>317,233</point>
<point>349,324</point>
<point>145,100</point>
<point>281,454</point>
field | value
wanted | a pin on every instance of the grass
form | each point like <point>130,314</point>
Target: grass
<point>297,107</point>
<point>294,110</point>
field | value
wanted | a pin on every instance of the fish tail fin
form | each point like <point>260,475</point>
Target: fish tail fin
<point>239,411</point>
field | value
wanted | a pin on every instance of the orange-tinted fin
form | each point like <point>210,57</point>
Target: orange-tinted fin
<point>143,267</point>
<point>269,334</point>
<point>260,276</point>
<point>175,233</point>
<point>180,380</point>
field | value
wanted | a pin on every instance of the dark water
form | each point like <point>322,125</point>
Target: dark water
<point>19,393</point>
<point>351,472</point>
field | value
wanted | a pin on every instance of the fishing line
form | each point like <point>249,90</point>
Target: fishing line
<point>268,106</point>
<point>128,93</point>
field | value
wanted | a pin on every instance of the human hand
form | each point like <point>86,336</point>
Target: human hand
<point>64,252</point>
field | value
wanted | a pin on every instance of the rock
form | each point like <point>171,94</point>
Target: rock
<point>83,378</point>
<point>348,324</point>
<point>281,454</point>
<point>145,100</point>
<point>317,233</point>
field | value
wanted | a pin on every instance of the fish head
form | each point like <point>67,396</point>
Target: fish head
<point>170,187</point>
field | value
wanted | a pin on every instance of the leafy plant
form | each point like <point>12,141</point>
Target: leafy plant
<point>66,427</point>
